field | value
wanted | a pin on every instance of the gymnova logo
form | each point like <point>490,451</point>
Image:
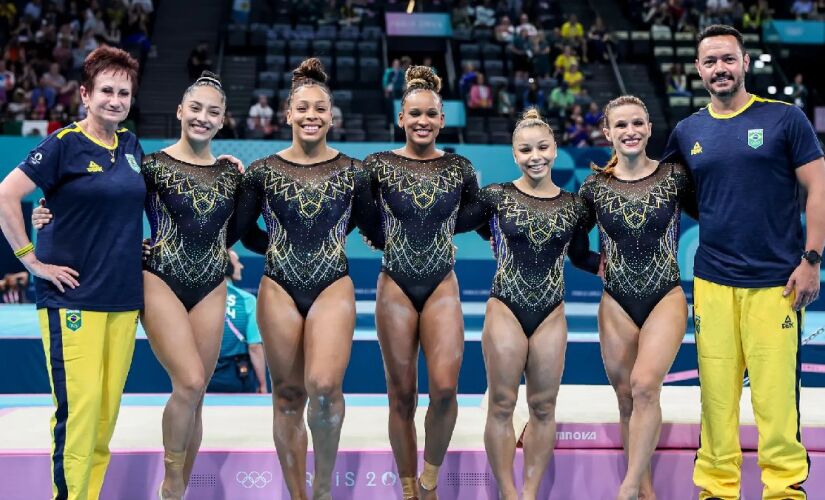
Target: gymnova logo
<point>253,479</point>
<point>576,436</point>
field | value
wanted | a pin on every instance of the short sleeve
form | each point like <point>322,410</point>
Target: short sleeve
<point>43,164</point>
<point>253,335</point>
<point>802,144</point>
<point>672,153</point>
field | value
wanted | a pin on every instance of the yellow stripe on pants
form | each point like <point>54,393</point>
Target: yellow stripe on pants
<point>758,330</point>
<point>88,354</point>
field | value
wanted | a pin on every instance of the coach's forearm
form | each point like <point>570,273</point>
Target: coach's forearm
<point>11,219</point>
<point>815,217</point>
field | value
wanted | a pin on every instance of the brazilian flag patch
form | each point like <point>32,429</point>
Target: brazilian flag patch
<point>74,319</point>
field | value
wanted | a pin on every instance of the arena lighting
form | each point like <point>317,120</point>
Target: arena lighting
<point>765,58</point>
<point>410,6</point>
<point>759,63</point>
<point>772,90</point>
<point>788,90</point>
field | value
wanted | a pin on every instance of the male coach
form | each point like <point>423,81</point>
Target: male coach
<point>752,160</point>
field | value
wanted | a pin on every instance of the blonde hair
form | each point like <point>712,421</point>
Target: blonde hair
<point>610,106</point>
<point>531,118</point>
<point>421,78</point>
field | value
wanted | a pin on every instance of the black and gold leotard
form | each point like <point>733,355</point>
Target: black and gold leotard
<point>419,202</point>
<point>639,228</point>
<point>188,207</point>
<point>531,236</point>
<point>308,210</point>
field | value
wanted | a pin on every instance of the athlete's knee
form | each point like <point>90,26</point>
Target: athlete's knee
<point>442,397</point>
<point>323,388</point>
<point>624,396</point>
<point>403,402</point>
<point>502,406</point>
<point>645,390</point>
<point>190,387</point>
<point>290,398</point>
<point>542,406</point>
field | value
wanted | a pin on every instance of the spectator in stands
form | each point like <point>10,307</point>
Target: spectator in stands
<point>13,288</point>
<point>573,33</point>
<point>554,40</point>
<point>519,52</point>
<point>803,9</point>
<point>39,109</point>
<point>533,96</point>
<point>230,127</point>
<point>485,15</point>
<point>504,30</point>
<point>481,96</point>
<point>540,59</point>
<point>53,79</point>
<point>574,79</point>
<point>260,119</point>
<point>564,61</point>
<point>393,80</point>
<point>583,98</point>
<point>336,126</point>
<point>799,93</point>
<point>241,365</point>
<point>752,20</point>
<point>6,83</point>
<point>33,10</point>
<point>144,6</point>
<point>593,117</point>
<point>718,12</point>
<point>503,101</point>
<point>43,90</point>
<point>576,134</point>
<point>468,77</point>
<point>598,38</point>
<point>463,15</point>
<point>57,119</point>
<point>677,81</point>
<point>561,99</point>
<point>18,107</point>
<point>93,21</point>
<point>199,61</point>
<point>525,24</point>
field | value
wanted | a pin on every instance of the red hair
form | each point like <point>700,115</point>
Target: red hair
<point>108,59</point>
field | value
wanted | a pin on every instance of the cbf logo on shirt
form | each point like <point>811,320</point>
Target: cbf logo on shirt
<point>132,162</point>
<point>755,137</point>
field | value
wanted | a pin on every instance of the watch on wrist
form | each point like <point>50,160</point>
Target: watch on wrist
<point>812,256</point>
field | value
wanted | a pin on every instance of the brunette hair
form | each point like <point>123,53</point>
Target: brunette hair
<point>421,78</point>
<point>108,59</point>
<point>310,72</point>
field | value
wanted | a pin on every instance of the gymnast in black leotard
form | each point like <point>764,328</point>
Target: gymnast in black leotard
<point>531,236</point>
<point>637,203</point>
<point>533,224</point>
<point>419,201</point>
<point>308,211</point>
<point>421,193</point>
<point>639,228</point>
<point>310,196</point>
<point>188,207</point>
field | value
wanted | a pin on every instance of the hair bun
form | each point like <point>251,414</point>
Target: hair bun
<point>531,114</point>
<point>422,77</point>
<point>208,76</point>
<point>311,69</point>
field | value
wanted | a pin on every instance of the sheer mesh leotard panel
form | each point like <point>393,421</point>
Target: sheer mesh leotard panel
<point>639,229</point>
<point>419,202</point>
<point>188,207</point>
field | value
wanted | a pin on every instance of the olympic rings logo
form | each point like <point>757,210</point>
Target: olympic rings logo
<point>253,479</point>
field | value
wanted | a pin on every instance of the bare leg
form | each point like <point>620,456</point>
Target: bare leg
<point>327,344</point>
<point>397,323</point>
<point>659,341</point>
<point>442,338</point>
<point>173,340</point>
<point>618,337</point>
<point>505,357</point>
<point>206,319</point>
<point>282,328</point>
<point>545,364</point>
